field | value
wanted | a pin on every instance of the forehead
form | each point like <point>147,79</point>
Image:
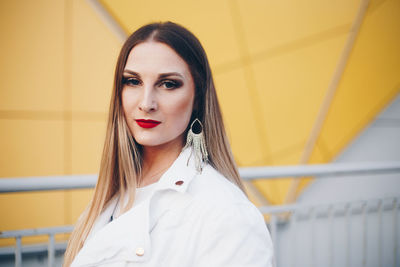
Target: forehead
<point>155,57</point>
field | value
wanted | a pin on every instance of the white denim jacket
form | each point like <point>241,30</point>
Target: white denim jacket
<point>190,220</point>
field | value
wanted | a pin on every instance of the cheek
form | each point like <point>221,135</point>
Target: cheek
<point>128,100</point>
<point>180,109</point>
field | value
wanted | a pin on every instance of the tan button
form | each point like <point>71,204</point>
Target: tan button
<point>180,182</point>
<point>140,251</point>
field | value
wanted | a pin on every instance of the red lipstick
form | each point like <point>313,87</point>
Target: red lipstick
<point>147,123</point>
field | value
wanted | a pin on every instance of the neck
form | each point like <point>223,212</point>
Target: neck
<point>157,159</point>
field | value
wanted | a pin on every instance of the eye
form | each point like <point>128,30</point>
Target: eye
<point>130,81</point>
<point>170,84</point>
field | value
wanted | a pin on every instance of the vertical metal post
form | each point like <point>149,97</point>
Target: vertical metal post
<point>294,234</point>
<point>18,252</point>
<point>348,234</point>
<point>364,236</point>
<point>331,236</point>
<point>312,234</point>
<point>51,251</point>
<point>395,222</point>
<point>380,235</point>
<point>274,232</point>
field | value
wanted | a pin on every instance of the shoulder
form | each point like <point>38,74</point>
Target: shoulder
<point>211,186</point>
<point>233,230</point>
<point>215,195</point>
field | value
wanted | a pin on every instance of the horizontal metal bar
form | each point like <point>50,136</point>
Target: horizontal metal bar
<point>320,170</point>
<point>39,231</point>
<point>8,185</point>
<point>35,248</point>
<point>307,206</point>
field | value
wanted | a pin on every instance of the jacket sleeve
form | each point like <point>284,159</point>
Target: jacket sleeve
<point>235,236</point>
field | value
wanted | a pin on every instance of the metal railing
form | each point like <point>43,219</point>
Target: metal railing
<point>348,215</point>
<point>51,247</point>
<point>284,222</point>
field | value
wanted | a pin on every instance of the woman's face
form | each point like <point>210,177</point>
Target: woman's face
<point>158,94</point>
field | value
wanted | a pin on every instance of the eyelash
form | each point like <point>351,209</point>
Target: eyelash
<point>128,81</point>
<point>174,84</point>
<point>135,82</point>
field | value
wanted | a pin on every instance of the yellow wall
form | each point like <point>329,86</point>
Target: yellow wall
<point>57,67</point>
<point>370,81</point>
<point>272,60</point>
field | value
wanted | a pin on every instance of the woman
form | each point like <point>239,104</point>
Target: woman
<point>168,193</point>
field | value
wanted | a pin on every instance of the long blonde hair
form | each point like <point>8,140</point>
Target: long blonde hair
<point>120,168</point>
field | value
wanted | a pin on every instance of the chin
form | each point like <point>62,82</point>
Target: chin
<point>150,141</point>
<point>154,142</point>
<point>147,142</point>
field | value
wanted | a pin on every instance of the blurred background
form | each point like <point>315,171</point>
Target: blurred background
<point>299,83</point>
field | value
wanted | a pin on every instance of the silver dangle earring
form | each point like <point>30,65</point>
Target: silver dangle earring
<point>195,139</point>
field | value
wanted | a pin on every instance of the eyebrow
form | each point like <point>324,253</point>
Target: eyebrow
<point>161,75</point>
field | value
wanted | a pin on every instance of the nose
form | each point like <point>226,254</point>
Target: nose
<point>148,102</point>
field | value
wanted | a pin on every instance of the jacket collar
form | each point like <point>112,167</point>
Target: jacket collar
<point>180,174</point>
<point>132,229</point>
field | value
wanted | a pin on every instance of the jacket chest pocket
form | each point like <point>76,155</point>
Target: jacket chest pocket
<point>125,239</point>
<point>138,251</point>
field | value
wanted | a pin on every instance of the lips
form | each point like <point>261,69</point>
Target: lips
<point>147,123</point>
